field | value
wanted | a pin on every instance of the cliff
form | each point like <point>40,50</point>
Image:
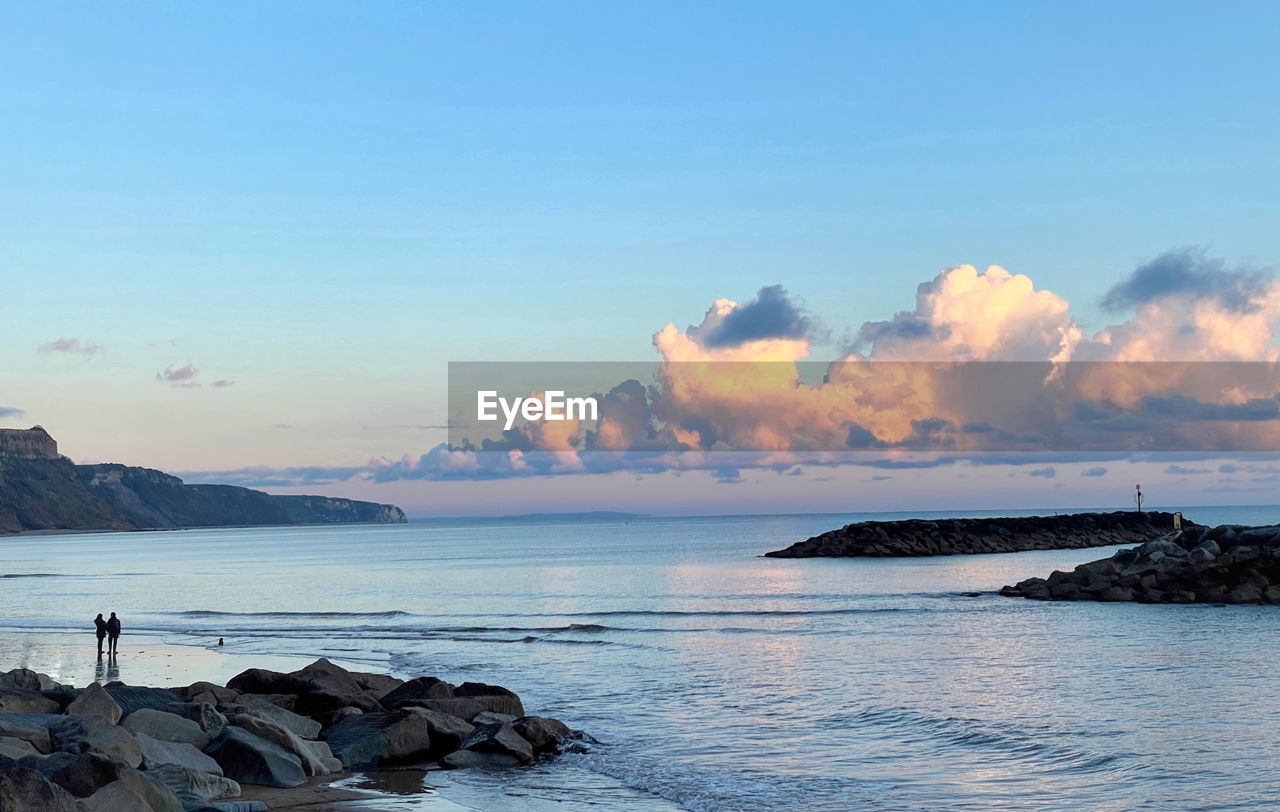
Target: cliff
<point>916,537</point>
<point>40,490</point>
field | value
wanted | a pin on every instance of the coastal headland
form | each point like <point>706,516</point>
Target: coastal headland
<point>921,537</point>
<point>40,490</point>
<point>285,737</point>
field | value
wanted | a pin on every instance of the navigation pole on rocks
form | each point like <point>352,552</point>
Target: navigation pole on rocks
<point>1137,497</point>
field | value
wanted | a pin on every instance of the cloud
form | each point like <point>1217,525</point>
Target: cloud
<point>771,315</point>
<point>1179,469</point>
<point>966,315</point>
<point>1187,272</point>
<point>183,377</point>
<point>1095,471</point>
<point>222,384</point>
<point>72,346</point>
<point>1048,473</point>
<point>11,411</point>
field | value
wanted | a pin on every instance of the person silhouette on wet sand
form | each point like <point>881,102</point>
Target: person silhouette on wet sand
<point>101,626</point>
<point>113,634</point>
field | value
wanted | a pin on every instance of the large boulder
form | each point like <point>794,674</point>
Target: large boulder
<point>468,707</point>
<point>96,702</point>
<point>156,752</point>
<point>165,726</point>
<point>543,733</point>
<point>135,793</point>
<point>33,729</point>
<point>83,774</point>
<point>194,788</point>
<point>316,757</point>
<point>447,732</point>
<point>85,734</point>
<point>376,684</point>
<point>24,679</point>
<point>13,701</point>
<point>206,692</point>
<point>320,687</point>
<point>133,698</point>
<point>202,713</point>
<point>249,759</point>
<point>27,790</point>
<point>303,726</point>
<point>17,748</point>
<point>493,745</point>
<point>384,737</point>
<point>419,688</point>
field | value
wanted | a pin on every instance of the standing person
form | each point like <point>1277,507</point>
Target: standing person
<point>113,634</point>
<point>101,626</point>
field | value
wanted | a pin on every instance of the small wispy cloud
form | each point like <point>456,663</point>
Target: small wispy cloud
<point>1095,471</point>
<point>72,346</point>
<point>222,383</point>
<point>11,411</point>
<point>179,376</point>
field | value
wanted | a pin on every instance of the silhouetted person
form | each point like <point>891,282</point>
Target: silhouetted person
<point>220,641</point>
<point>113,633</point>
<point>101,626</point>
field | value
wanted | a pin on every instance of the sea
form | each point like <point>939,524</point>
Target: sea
<point>716,679</point>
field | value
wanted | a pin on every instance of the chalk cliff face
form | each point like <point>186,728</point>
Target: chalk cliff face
<point>40,490</point>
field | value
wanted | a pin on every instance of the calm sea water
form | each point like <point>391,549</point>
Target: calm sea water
<point>719,680</point>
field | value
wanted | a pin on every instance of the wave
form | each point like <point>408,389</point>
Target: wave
<point>215,613</point>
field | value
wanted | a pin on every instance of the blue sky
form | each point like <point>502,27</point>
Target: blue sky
<point>326,202</point>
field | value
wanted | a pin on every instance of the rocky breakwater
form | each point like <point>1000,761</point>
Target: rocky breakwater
<point>119,747</point>
<point>917,537</point>
<point>1225,564</point>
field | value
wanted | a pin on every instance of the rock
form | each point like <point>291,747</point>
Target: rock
<point>192,785</point>
<point>544,734</point>
<point>166,726</point>
<point>1206,551</point>
<point>83,774</point>
<point>33,729</point>
<point>475,760</point>
<point>492,740</point>
<point>420,688</point>
<point>255,706</point>
<point>316,757</point>
<point>1163,546</point>
<point>331,719</point>
<point>133,698</point>
<point>320,687</point>
<point>83,734</point>
<point>490,718</point>
<point>27,790</point>
<point>96,702</point>
<point>468,707</point>
<point>202,713</point>
<point>135,793</point>
<point>259,681</point>
<point>24,679</point>
<point>375,738</point>
<point>12,701</point>
<point>248,759</point>
<point>376,684</point>
<point>447,733</point>
<point>157,752</point>
<point>1116,593</point>
<point>197,689</point>
<point>16,748</point>
<point>1244,593</point>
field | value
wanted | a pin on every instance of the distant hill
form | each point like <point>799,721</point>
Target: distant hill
<point>41,490</point>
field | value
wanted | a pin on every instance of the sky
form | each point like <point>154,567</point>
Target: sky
<point>250,237</point>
